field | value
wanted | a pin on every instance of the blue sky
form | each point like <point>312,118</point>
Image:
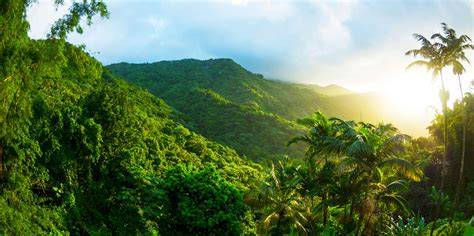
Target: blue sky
<point>357,44</point>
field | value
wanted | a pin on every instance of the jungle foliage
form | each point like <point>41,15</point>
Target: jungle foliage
<point>85,152</point>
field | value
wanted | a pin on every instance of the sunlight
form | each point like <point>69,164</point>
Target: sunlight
<point>417,91</point>
<point>411,100</point>
<point>419,96</point>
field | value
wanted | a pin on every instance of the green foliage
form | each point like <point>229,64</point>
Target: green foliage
<point>282,208</point>
<point>200,203</point>
<point>350,181</point>
<point>413,226</point>
<point>470,227</point>
<point>230,105</point>
<point>455,126</point>
<point>71,21</point>
<point>78,153</point>
<point>468,201</point>
<point>82,152</point>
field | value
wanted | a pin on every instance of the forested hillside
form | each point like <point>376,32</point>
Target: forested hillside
<point>228,79</point>
<point>329,90</point>
<point>226,103</point>
<point>86,153</point>
<point>83,152</point>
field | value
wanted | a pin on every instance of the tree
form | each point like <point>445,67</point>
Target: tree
<point>433,59</point>
<point>19,62</point>
<point>363,152</point>
<point>453,48</point>
<point>324,141</point>
<point>282,206</point>
<point>199,203</point>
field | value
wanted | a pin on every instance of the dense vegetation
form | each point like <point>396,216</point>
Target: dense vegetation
<point>255,110</point>
<point>84,152</point>
<point>258,113</point>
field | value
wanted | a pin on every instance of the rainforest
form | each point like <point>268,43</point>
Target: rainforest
<point>208,147</point>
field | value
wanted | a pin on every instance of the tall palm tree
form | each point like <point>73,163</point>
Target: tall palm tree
<point>453,50</point>
<point>434,60</point>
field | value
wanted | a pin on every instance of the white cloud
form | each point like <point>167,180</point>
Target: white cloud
<point>42,15</point>
<point>158,24</point>
<point>332,30</point>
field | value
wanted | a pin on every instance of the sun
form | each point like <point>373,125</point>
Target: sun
<point>414,96</point>
<point>411,104</point>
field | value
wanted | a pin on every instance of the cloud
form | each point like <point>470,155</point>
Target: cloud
<point>358,44</point>
<point>157,24</point>
<point>42,15</point>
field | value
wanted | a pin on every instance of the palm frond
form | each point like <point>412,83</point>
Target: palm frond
<point>398,201</point>
<point>406,168</point>
<point>422,39</point>
<point>439,37</point>
<point>420,63</point>
<point>458,68</point>
<point>394,144</point>
<point>274,177</point>
<point>269,219</point>
<point>360,149</point>
<point>398,185</point>
<point>298,139</point>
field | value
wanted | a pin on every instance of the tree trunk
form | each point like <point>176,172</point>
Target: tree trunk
<point>444,101</point>
<point>463,148</point>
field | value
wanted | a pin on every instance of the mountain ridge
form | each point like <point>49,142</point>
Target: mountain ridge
<point>253,93</point>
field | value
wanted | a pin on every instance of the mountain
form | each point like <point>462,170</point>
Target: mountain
<point>168,79</point>
<point>184,84</point>
<point>228,104</point>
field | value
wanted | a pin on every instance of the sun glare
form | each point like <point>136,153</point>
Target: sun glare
<point>411,101</point>
<point>413,96</point>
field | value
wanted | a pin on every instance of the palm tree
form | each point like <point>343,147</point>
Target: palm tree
<point>324,140</point>
<point>374,150</point>
<point>360,150</point>
<point>385,197</point>
<point>453,48</point>
<point>433,59</point>
<point>284,209</point>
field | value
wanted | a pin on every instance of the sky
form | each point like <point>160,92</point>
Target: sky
<point>356,44</point>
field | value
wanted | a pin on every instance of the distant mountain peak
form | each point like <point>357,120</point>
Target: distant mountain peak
<point>331,90</point>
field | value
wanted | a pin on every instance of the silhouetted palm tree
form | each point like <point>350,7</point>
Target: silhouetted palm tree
<point>453,49</point>
<point>434,60</point>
